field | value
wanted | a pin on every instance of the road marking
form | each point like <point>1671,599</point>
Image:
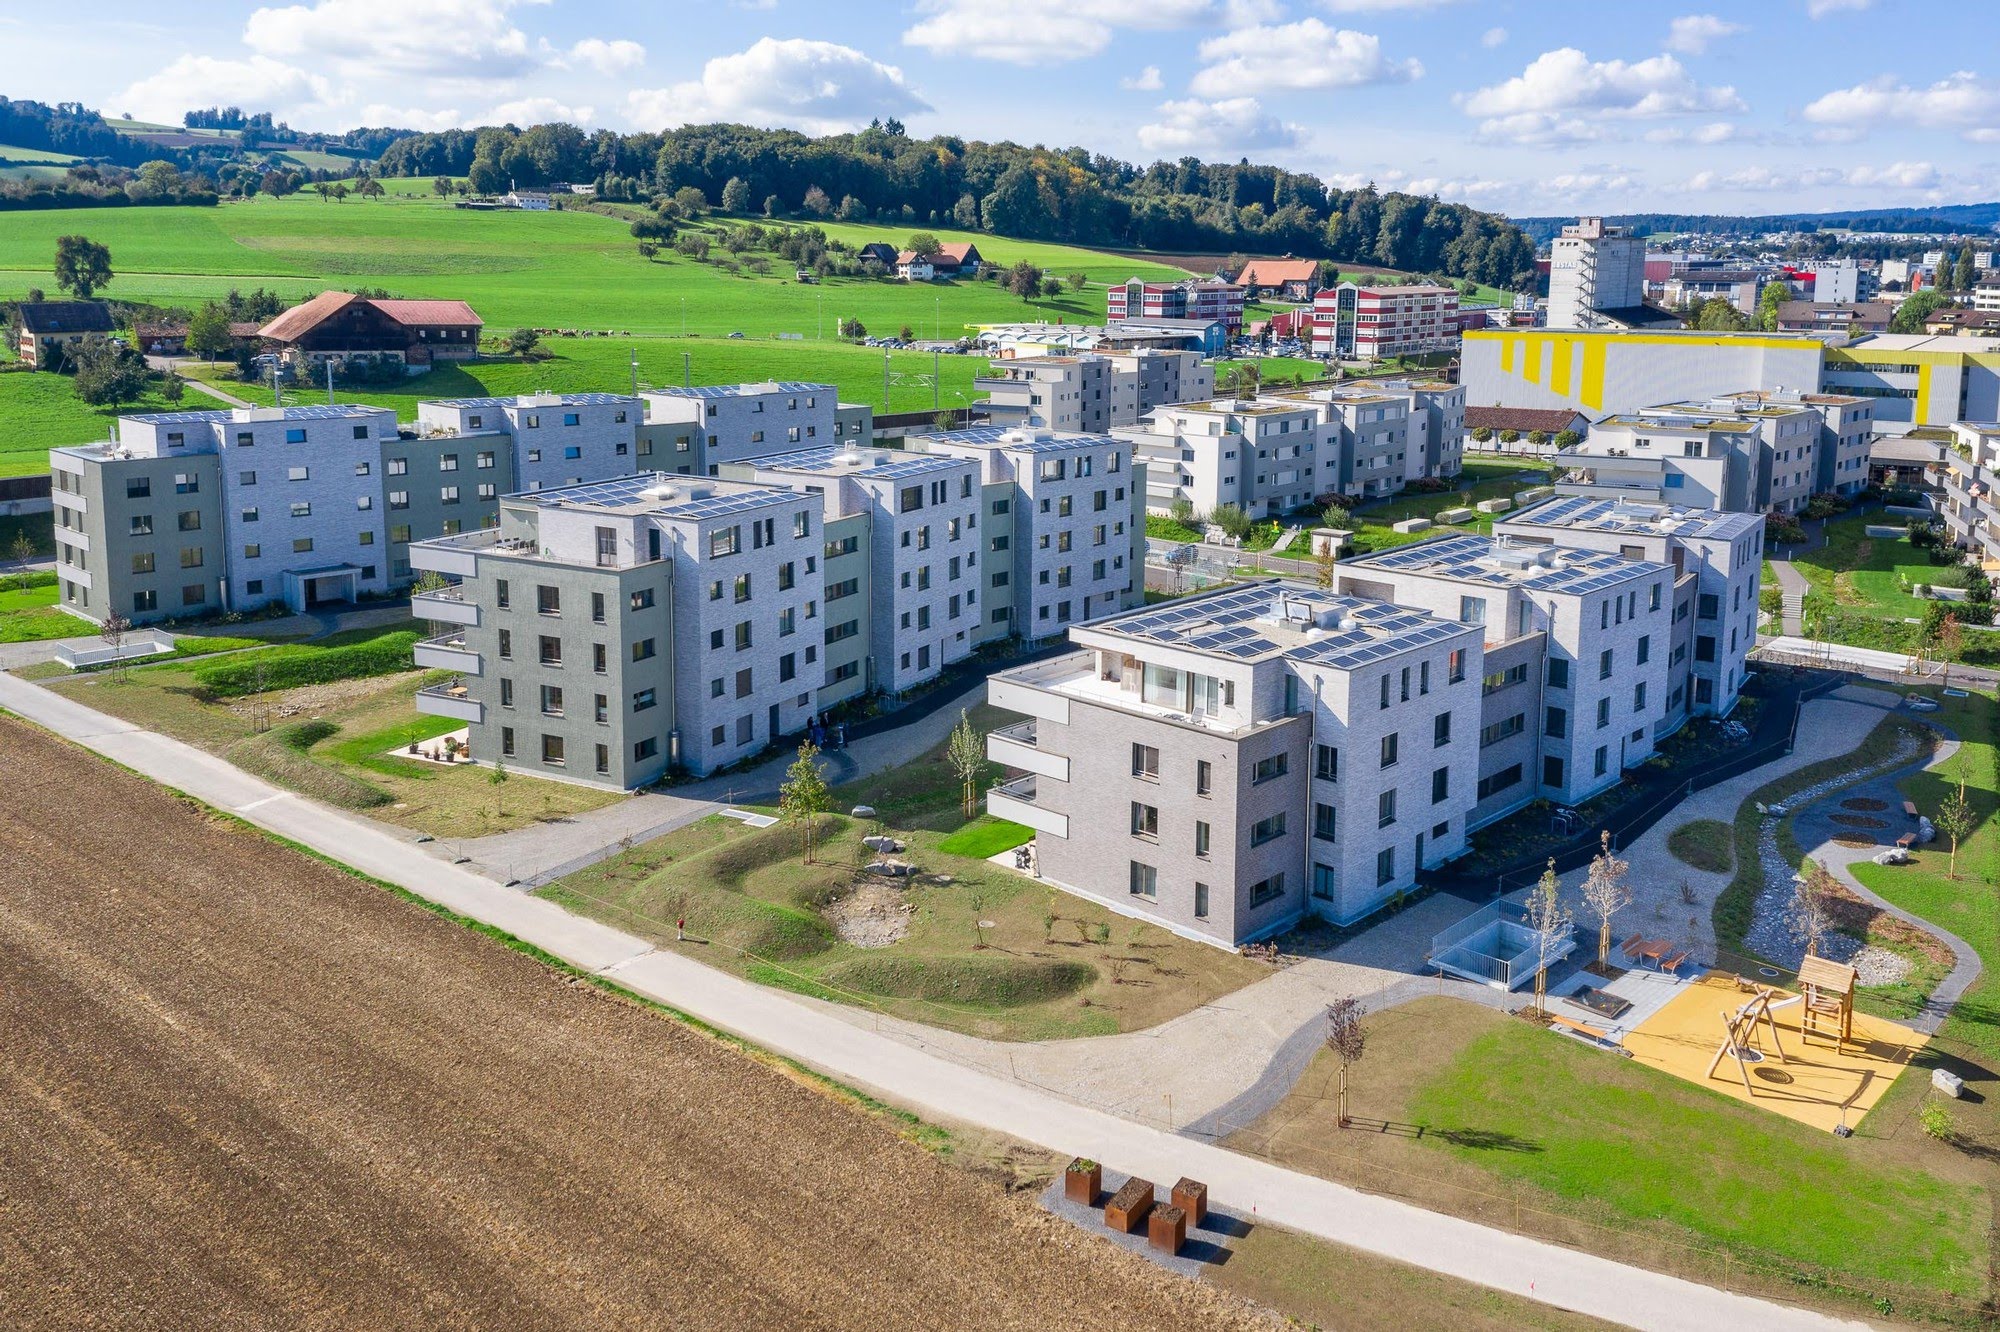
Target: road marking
<point>259,804</point>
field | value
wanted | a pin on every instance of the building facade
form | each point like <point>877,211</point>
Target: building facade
<point>693,431</point>
<point>1594,267</point>
<point>1189,299</point>
<point>1352,322</point>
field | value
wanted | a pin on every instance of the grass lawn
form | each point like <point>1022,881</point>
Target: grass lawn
<point>42,412</point>
<point>28,611</point>
<point>1857,572</point>
<point>1704,844</point>
<point>1481,479</point>
<point>327,740</point>
<point>986,836</point>
<point>1497,1120</point>
<point>1048,966</point>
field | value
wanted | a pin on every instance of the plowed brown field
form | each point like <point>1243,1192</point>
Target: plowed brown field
<point>240,1089</point>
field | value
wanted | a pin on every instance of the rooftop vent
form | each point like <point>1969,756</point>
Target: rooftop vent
<point>664,490</point>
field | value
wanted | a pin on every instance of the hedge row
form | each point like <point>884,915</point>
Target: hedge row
<point>288,668</point>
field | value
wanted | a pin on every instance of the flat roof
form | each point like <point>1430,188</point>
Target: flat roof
<point>533,399</point>
<point>1634,517</point>
<point>743,390</point>
<point>883,464</point>
<point>1293,620</point>
<point>1022,440</point>
<point>318,412</point>
<point>1478,559</point>
<point>657,492</point>
<point>1910,342</point>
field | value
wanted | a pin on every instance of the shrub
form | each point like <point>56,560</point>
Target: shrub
<point>1936,1123</point>
<point>1568,439</point>
<point>288,668</point>
<point>1235,523</point>
<point>1538,437</point>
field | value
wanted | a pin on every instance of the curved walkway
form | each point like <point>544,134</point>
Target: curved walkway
<point>1548,1273</point>
<point>1814,830</point>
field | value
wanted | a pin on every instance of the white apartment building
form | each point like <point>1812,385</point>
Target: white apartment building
<point>1841,281</point>
<point>1260,455</point>
<point>558,439</point>
<point>1577,682</point>
<point>1970,470</point>
<point>1594,267</point>
<point>919,524</point>
<point>1092,393</point>
<point>693,431</point>
<point>1064,518</point>
<point>1233,761</point>
<point>1380,447</point>
<point>1753,451</point>
<point>1714,618</point>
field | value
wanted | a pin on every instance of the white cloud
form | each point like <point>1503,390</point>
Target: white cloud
<point>411,117</point>
<point>815,87</point>
<point>1493,37</point>
<point>1961,101</point>
<point>1306,54</point>
<point>1821,8</point>
<point>609,57</point>
<point>1905,176</point>
<point>528,111</point>
<point>1381,6</point>
<point>192,80</point>
<point>1563,96</point>
<point>1146,80</point>
<point>1038,32</point>
<point>1233,126</point>
<point>1245,13</point>
<point>450,39</point>
<point>1693,34</point>
<point>1716,131</point>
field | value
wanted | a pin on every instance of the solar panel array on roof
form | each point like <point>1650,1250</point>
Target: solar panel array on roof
<point>1653,519</point>
<point>1239,623</point>
<point>1470,559</point>
<point>319,412</point>
<point>743,390</point>
<point>889,465</point>
<point>1012,437</point>
<point>562,399</point>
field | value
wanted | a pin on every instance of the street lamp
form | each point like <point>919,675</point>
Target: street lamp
<point>684,316</point>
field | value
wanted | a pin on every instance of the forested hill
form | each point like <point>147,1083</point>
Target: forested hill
<point>1038,193</point>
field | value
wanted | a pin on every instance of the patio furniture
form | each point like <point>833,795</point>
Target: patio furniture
<point>1581,1028</point>
<point>1906,841</point>
<point>1671,964</point>
<point>1910,808</point>
<point>1631,947</point>
<point>1655,949</point>
<point>1828,989</point>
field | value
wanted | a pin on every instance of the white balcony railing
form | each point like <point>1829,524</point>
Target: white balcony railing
<point>450,700</point>
<point>448,652</point>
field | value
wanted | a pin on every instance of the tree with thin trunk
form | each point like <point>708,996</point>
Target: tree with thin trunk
<point>22,551</point>
<point>1347,1041</point>
<point>113,632</point>
<point>1950,641</point>
<point>497,779</point>
<point>1956,819</point>
<point>1809,915</point>
<point>1606,893</point>
<point>1550,921</point>
<point>1323,568</point>
<point>804,796</point>
<point>966,752</point>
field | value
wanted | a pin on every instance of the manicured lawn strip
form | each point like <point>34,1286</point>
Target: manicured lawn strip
<point>1867,574</point>
<point>1049,966</point>
<point>371,750</point>
<point>1482,479</point>
<point>986,836</point>
<point>1160,527</point>
<point>1704,844</point>
<point>43,411</point>
<point>382,653</point>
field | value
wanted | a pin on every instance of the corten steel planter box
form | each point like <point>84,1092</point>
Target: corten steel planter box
<point>1128,1207</point>
<point>1166,1229</point>
<point>1191,1196</point>
<point>1082,1181</point>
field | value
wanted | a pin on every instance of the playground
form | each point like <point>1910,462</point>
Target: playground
<point>1808,1056</point>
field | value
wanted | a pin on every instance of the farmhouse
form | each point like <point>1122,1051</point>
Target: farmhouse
<point>957,259</point>
<point>881,252</point>
<point>50,324</point>
<point>913,267</point>
<point>1292,279</point>
<point>340,326</point>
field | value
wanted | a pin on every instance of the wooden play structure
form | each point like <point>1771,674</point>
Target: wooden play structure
<point>1828,989</point>
<point>1740,1040</point>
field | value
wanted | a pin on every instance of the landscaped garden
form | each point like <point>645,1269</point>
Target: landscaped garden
<point>332,718</point>
<point>28,610</point>
<point>959,943</point>
<point>1484,1116</point>
<point>1864,592</point>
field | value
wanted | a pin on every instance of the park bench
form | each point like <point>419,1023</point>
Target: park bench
<point>1580,1028</point>
<point>1907,840</point>
<point>1910,808</point>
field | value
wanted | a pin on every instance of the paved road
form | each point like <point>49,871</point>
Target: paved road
<point>932,1086</point>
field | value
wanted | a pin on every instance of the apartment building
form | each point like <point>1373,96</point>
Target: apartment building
<point>1737,286</point>
<point>1092,393</point>
<point>693,431</point>
<point>1968,474</point>
<point>1189,299</point>
<point>1386,433</point>
<point>911,606</point>
<point>1578,679</point>
<point>607,631</point>
<point>1714,619</point>
<point>1846,427</point>
<point>1593,268</point>
<point>556,439</point>
<point>192,513</point>
<point>1262,456</point>
<point>1744,453</point>
<point>1228,763</point>
<point>1352,322</point>
<point>1064,523</point>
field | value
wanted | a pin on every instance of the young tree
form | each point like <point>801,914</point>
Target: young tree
<point>441,186</point>
<point>1550,921</point>
<point>851,209</point>
<point>1078,281</point>
<point>1347,1042</point>
<point>1809,915</point>
<point>1235,523</point>
<point>523,341</point>
<point>105,375</point>
<point>1606,893</point>
<point>1323,563</point>
<point>497,779</point>
<point>1024,280</point>
<point>966,752</point>
<point>113,632</point>
<point>368,187</point>
<point>21,552</point>
<point>173,388</point>
<point>208,331</point>
<point>82,265</point>
<point>804,796</point>
<point>1956,819</point>
<point>850,328</point>
<point>1950,643</point>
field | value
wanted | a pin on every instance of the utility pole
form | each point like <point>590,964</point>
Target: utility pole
<point>684,316</point>
<point>329,382</point>
<point>687,369</point>
<point>885,381</point>
<point>937,362</point>
<point>635,369</point>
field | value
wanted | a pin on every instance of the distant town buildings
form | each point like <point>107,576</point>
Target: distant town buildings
<point>1190,299</point>
<point>1595,270</point>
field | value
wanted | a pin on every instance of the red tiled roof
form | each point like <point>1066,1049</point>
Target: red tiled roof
<point>1276,272</point>
<point>956,251</point>
<point>431,313</point>
<point>300,320</point>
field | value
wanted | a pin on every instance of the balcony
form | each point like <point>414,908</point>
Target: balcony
<point>458,556</point>
<point>450,700</point>
<point>72,537</point>
<point>1015,801</point>
<point>1016,747</point>
<point>446,605</point>
<point>448,652</point>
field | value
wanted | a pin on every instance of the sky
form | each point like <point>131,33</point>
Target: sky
<point>1522,106</point>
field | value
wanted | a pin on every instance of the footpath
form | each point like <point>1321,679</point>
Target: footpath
<point>930,1086</point>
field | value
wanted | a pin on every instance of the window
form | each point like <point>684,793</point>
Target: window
<point>644,699</point>
<point>1326,823</point>
<point>746,682</point>
<point>1146,762</point>
<point>246,478</point>
<point>1603,713</point>
<point>1455,666</point>
<point>1499,680</point>
<point>185,483</point>
<point>1267,830</point>
<point>1506,728</point>
<point>1604,664</point>
<point>552,701</point>
<point>190,520</point>
<point>1506,777</point>
<point>1704,648</point>
<point>1472,610</point>
<point>1385,866</point>
<point>1639,697</point>
<point>552,750</point>
<point>1385,809</point>
<point>551,650</point>
<point>642,599</point>
<point>138,487</point>
<point>1555,723</point>
<point>301,508</point>
<point>1204,777</point>
<point>252,552</point>
<point>447,494</point>
<point>1390,745</point>
<point>301,545</point>
<point>644,749</point>
<point>1326,763</point>
<point>1440,786</point>
<point>548,600</point>
<point>142,524</point>
<point>1201,839</point>
<point>1707,606</point>
<point>1145,821</point>
<point>1601,760</point>
<point>1267,890</point>
<point>643,650</point>
<point>1441,730</point>
<point>399,499</point>
<point>1201,901</point>
<point>1558,673</point>
<point>743,643</point>
<point>145,601</point>
<point>1270,769</point>
<point>295,436</point>
<point>506,644</point>
<point>1145,882</point>
<point>298,474</point>
<point>724,541</point>
<point>142,564</point>
<point>597,608</point>
<point>507,741</point>
<point>742,587</point>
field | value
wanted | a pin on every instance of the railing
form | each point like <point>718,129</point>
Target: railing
<point>1021,733</point>
<point>1021,789</point>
